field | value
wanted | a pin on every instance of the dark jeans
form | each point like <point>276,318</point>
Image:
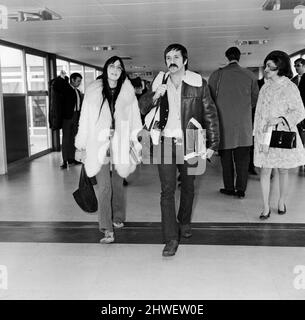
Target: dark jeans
<point>240,157</point>
<point>168,178</point>
<point>69,131</point>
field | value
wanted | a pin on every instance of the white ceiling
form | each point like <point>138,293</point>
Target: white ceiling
<point>142,29</point>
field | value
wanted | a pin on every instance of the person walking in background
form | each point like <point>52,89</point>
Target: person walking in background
<point>57,88</point>
<point>183,95</point>
<point>299,80</point>
<point>108,126</point>
<point>278,98</point>
<point>70,117</point>
<point>235,93</point>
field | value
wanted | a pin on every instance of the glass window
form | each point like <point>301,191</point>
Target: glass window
<point>12,70</point>
<point>37,106</point>
<point>98,73</point>
<point>38,124</point>
<point>36,73</point>
<point>79,69</point>
<point>62,65</point>
<point>89,76</point>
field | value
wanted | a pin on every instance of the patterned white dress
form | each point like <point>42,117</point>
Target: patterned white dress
<point>278,98</point>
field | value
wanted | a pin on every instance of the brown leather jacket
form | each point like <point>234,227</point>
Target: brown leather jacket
<point>196,102</point>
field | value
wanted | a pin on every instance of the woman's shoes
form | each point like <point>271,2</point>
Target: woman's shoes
<point>265,216</point>
<point>118,224</point>
<point>282,211</point>
<point>108,237</point>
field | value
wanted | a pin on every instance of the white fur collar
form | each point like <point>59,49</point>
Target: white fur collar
<point>190,77</point>
<point>126,94</point>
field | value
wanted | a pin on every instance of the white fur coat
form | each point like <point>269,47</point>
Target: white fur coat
<point>94,129</point>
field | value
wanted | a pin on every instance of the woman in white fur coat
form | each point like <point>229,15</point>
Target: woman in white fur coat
<point>109,122</point>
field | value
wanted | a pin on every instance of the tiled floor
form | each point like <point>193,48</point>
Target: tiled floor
<point>39,191</point>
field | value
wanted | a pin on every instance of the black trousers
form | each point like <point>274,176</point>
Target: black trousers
<point>235,161</point>
<point>168,176</point>
<point>69,131</point>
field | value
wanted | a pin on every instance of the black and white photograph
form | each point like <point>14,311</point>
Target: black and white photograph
<point>152,151</point>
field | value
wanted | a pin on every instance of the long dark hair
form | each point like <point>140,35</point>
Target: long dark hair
<point>106,92</point>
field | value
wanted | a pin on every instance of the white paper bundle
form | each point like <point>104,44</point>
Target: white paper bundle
<point>195,139</point>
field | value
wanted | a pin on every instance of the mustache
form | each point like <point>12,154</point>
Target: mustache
<point>173,65</point>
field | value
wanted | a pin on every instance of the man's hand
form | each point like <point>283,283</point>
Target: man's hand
<point>160,92</point>
<point>208,154</point>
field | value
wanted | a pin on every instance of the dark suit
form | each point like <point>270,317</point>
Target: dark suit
<point>301,86</point>
<point>70,122</point>
<point>57,88</point>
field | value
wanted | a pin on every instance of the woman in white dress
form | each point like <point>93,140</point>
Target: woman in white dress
<point>279,97</point>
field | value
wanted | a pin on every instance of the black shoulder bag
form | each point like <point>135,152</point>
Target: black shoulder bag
<point>85,195</point>
<point>283,139</point>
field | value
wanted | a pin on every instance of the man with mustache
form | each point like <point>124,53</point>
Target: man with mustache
<point>181,95</point>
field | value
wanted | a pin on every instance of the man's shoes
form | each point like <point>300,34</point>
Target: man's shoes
<point>227,192</point>
<point>64,165</point>
<point>185,231</point>
<point>170,248</point>
<point>240,194</point>
<point>75,162</point>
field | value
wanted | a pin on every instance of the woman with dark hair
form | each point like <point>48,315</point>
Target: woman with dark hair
<point>109,123</point>
<point>279,97</point>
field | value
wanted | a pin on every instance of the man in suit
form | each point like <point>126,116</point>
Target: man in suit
<point>299,65</point>
<point>235,91</point>
<point>56,99</point>
<point>299,80</point>
<point>70,115</point>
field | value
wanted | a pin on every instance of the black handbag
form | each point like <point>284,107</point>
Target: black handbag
<point>283,139</point>
<point>85,195</point>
